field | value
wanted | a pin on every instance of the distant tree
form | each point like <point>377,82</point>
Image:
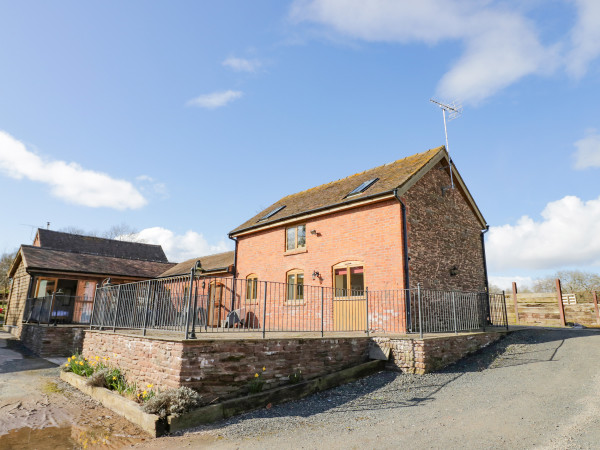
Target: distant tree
<point>571,281</point>
<point>121,232</point>
<point>5,262</point>
<point>495,289</point>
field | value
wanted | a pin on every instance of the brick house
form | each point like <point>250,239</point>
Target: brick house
<point>70,266</point>
<point>387,228</point>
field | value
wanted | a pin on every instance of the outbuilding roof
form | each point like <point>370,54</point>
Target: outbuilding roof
<point>75,243</point>
<point>220,262</point>
<point>38,258</point>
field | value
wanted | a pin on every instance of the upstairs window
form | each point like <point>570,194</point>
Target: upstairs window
<point>362,188</point>
<point>295,237</point>
<point>349,279</point>
<point>271,214</point>
<point>295,285</point>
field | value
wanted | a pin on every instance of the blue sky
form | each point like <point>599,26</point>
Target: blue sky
<point>182,119</point>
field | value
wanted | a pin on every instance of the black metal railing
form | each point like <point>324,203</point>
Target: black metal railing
<point>59,309</point>
<point>188,305</point>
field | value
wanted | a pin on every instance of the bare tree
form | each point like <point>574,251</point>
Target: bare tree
<point>571,281</point>
<point>5,262</point>
<point>122,232</point>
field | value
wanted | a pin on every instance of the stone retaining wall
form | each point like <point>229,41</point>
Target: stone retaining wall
<point>433,353</point>
<point>223,368</point>
<point>46,341</point>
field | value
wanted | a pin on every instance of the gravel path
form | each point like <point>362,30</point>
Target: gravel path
<point>534,389</point>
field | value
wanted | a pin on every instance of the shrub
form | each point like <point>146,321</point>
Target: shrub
<point>173,401</point>
<point>98,378</point>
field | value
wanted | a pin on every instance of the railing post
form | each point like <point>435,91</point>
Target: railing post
<point>117,308</point>
<point>454,313</point>
<point>505,309</point>
<point>323,309</point>
<point>146,308</point>
<point>189,302</point>
<point>367,305</point>
<point>484,308</point>
<point>264,324</point>
<point>51,308</point>
<point>194,313</point>
<point>420,312</point>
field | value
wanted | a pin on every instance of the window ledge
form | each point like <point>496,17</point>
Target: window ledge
<point>294,303</point>
<point>296,251</point>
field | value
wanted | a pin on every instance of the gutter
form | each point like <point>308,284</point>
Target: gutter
<point>235,252</point>
<point>485,271</point>
<point>406,258</point>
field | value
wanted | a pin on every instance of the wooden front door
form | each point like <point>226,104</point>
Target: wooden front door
<point>215,304</point>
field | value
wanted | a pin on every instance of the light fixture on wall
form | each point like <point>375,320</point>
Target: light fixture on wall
<point>313,232</point>
<point>453,271</point>
<point>316,275</point>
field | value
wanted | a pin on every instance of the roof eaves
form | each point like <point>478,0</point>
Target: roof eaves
<point>311,211</point>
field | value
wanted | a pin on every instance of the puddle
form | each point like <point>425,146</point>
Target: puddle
<point>73,437</point>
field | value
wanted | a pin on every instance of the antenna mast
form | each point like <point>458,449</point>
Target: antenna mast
<point>454,111</point>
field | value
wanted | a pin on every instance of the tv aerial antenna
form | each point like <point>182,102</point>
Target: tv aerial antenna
<point>454,112</point>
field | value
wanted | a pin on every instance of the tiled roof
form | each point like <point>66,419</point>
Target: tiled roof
<point>56,260</point>
<point>74,243</point>
<point>390,176</point>
<point>209,263</point>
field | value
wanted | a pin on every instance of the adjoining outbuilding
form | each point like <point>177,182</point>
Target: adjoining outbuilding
<point>55,279</point>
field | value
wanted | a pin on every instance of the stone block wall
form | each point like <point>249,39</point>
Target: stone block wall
<point>46,341</point>
<point>433,353</point>
<point>223,368</point>
<point>443,232</point>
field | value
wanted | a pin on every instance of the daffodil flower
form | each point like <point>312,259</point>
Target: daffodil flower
<point>255,375</point>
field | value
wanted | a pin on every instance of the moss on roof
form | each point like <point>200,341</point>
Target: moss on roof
<point>390,176</point>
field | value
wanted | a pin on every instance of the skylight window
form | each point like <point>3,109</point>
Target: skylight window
<point>271,214</point>
<point>363,187</point>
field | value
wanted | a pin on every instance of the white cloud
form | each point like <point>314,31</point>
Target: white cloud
<point>588,151</point>
<point>215,100</point>
<point>501,46</point>
<point>147,182</point>
<point>242,64</point>
<point>567,236</point>
<point>67,181</point>
<point>585,37</point>
<point>181,247</point>
<point>505,283</point>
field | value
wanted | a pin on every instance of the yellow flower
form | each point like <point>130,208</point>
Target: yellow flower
<point>69,359</point>
<point>85,359</point>
<point>97,358</point>
<point>114,378</point>
<point>144,392</point>
<point>66,364</point>
<point>255,375</point>
<point>81,363</point>
<point>264,368</point>
<point>149,386</point>
<point>73,357</point>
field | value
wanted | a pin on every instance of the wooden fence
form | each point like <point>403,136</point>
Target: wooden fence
<point>553,309</point>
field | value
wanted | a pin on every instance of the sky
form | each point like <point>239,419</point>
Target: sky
<point>183,119</point>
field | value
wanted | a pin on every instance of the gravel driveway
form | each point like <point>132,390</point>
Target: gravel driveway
<point>537,388</point>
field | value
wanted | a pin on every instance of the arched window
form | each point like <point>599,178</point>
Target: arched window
<point>295,285</point>
<point>349,279</point>
<point>251,287</point>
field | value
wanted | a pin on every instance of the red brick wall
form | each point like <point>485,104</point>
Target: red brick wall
<point>443,232</point>
<point>223,368</point>
<point>370,233</point>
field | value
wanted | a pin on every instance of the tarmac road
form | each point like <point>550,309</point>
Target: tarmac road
<point>537,388</point>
